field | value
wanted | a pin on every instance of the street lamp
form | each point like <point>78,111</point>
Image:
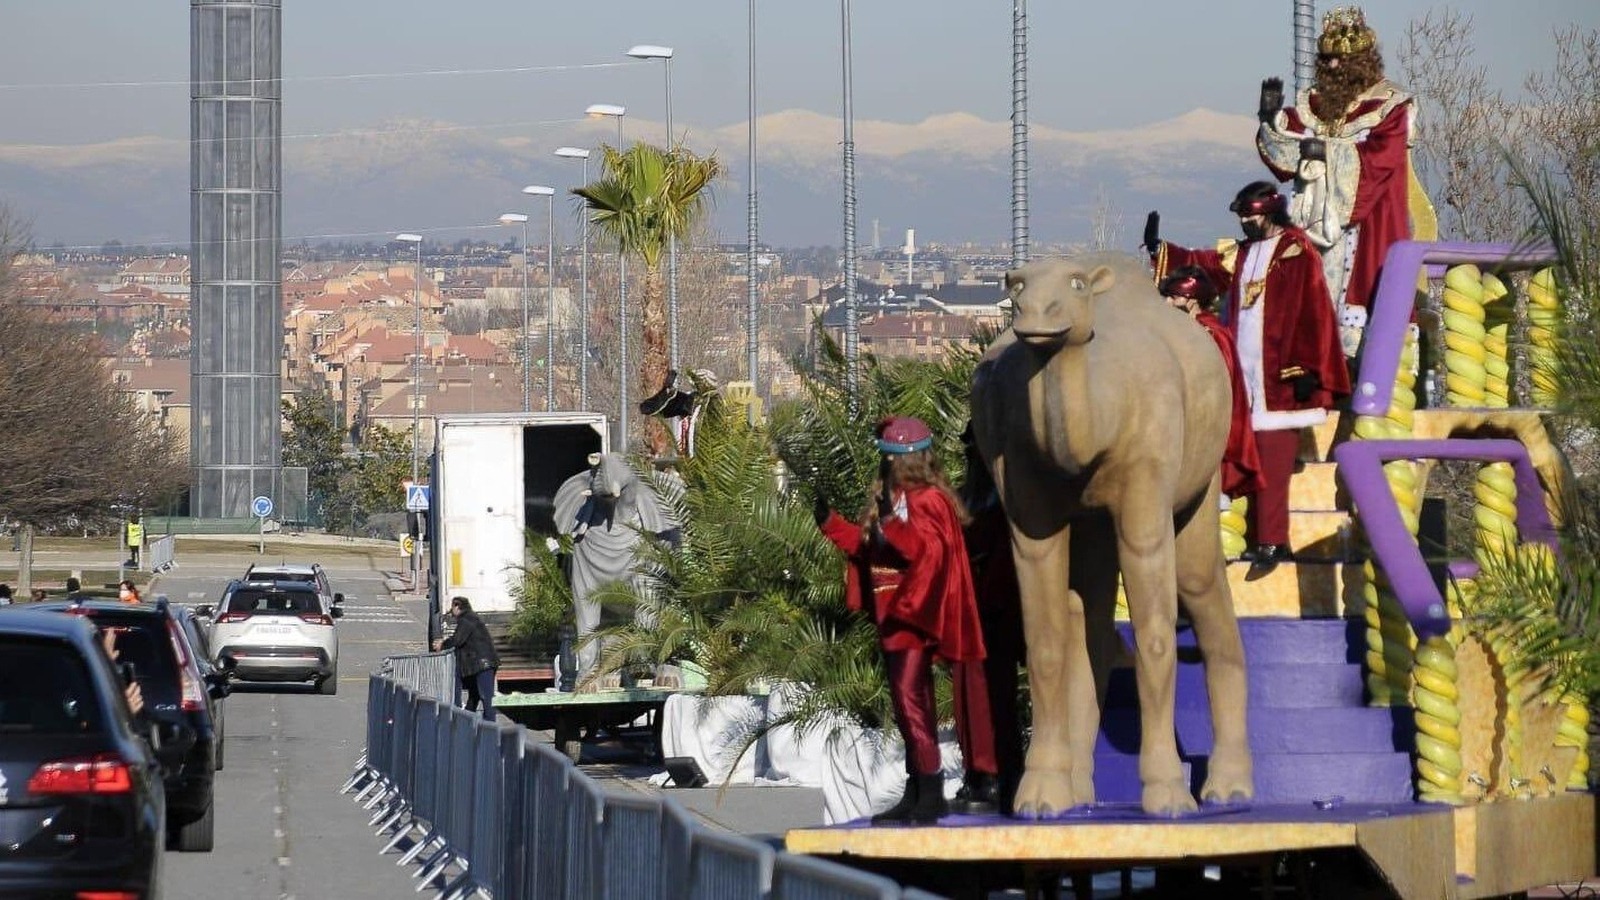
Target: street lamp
<point>527,390</point>
<point>752,295</point>
<point>583,287</point>
<point>416,360</point>
<point>611,110</point>
<point>652,51</point>
<point>549,195</point>
<point>852,336</point>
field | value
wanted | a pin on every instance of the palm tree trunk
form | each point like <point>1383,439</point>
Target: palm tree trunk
<point>653,369</point>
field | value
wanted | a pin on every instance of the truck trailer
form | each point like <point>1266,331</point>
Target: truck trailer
<point>494,480</point>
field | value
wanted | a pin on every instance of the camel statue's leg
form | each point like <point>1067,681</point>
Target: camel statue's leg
<point>1145,549</point>
<point>1059,678</point>
<point>1203,589</point>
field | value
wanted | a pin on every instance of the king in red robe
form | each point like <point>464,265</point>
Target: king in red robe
<point>1346,144</point>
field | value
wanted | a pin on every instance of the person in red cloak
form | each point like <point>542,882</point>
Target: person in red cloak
<point>1281,320</point>
<point>1346,143</point>
<point>908,569</point>
<point>1188,289</point>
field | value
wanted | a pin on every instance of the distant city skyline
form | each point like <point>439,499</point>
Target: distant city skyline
<point>108,81</point>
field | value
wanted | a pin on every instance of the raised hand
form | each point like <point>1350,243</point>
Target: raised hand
<point>1152,231</point>
<point>1271,99</point>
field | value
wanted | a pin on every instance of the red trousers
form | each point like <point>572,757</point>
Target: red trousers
<point>911,691</point>
<point>1268,513</point>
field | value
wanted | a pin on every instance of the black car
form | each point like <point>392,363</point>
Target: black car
<point>194,631</point>
<point>177,698</point>
<point>82,810</point>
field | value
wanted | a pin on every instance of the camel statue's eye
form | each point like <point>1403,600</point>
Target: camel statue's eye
<point>1078,283</point>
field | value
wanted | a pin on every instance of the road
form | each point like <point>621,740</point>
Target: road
<point>282,829</point>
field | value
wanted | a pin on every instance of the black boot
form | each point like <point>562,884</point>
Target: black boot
<point>930,800</point>
<point>1265,558</point>
<point>979,795</point>
<point>901,811</point>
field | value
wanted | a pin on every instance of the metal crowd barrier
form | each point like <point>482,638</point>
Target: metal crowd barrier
<point>159,554</point>
<point>429,674</point>
<point>484,809</point>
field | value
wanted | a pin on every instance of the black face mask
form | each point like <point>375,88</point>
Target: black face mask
<point>1254,231</point>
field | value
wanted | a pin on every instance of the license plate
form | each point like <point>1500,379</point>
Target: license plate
<point>274,629</point>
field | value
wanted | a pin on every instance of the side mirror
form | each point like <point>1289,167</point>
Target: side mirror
<point>128,673</point>
<point>338,598</point>
<point>338,612</point>
<point>228,663</point>
<point>204,611</point>
<point>217,685</point>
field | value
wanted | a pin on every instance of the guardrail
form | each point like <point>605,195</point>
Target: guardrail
<point>158,555</point>
<point>485,809</point>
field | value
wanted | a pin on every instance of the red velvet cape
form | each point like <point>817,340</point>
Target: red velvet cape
<point>1241,463</point>
<point>1299,332</point>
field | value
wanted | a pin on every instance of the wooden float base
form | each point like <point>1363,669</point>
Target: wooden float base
<point>1421,850</point>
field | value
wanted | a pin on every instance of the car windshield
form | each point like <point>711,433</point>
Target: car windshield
<point>268,601</point>
<point>45,689</point>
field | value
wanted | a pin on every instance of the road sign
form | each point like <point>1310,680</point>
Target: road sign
<point>261,507</point>
<point>417,497</point>
<point>408,545</point>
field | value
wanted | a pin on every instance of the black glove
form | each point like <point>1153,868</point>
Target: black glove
<point>819,507</point>
<point>1271,99</point>
<point>1304,385</point>
<point>1314,149</point>
<point>1152,231</point>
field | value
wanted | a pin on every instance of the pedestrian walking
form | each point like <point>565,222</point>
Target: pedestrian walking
<point>5,594</point>
<point>128,592</point>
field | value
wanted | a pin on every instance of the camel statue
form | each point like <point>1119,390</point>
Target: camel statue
<point>1102,414</point>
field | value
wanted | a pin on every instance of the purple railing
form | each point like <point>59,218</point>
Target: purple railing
<point>1396,549</point>
<point>1392,305</point>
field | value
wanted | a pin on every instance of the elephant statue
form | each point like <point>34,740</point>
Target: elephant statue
<point>607,511</point>
<point>1102,414</point>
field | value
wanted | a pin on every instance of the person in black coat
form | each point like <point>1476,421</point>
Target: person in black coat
<point>476,659</point>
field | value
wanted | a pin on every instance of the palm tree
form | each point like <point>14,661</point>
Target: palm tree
<point>646,196</point>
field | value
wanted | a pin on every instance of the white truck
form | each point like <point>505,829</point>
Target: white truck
<point>494,478</point>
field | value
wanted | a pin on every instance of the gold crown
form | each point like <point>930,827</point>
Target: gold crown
<point>1345,31</point>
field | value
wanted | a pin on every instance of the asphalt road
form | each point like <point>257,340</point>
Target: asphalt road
<point>282,828</point>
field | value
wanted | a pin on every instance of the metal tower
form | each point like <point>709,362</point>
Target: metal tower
<point>235,228</point>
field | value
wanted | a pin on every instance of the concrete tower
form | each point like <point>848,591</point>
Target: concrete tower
<point>235,227</point>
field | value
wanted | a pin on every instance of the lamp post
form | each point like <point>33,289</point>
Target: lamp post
<point>549,195</point>
<point>652,51</point>
<point>583,287</point>
<point>613,111</point>
<point>852,335</point>
<point>752,295</point>
<point>416,360</point>
<point>520,219</point>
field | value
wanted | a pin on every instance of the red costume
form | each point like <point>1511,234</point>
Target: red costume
<point>909,567</point>
<point>1289,342</point>
<point>1241,463</point>
<point>1353,190</point>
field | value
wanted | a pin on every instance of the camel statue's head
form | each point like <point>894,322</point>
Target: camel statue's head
<point>1054,301</point>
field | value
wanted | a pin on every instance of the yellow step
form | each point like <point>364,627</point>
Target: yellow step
<point>1317,442</point>
<point>1322,535</point>
<point>1315,488</point>
<point>1298,590</point>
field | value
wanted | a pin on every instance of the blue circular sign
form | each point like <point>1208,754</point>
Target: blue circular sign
<point>261,506</point>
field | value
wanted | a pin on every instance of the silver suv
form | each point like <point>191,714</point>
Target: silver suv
<point>276,631</point>
<point>311,573</point>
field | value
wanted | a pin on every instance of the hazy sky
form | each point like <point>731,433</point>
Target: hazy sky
<point>1094,65</point>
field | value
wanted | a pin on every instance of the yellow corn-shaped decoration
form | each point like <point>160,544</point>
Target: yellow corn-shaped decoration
<point>1495,514</point>
<point>1390,641</point>
<point>1499,308</point>
<point>1233,528</point>
<point>1466,380</point>
<point>1544,317</point>
<point>1435,697</point>
<point>1574,732</point>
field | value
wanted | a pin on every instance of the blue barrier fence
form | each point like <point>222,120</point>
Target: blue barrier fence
<point>489,811</point>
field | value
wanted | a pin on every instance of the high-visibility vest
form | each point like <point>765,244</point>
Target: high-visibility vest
<point>135,534</point>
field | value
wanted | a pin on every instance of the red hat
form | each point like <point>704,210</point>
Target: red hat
<point>1190,282</point>
<point>903,434</point>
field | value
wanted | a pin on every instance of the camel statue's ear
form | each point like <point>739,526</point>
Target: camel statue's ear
<point>1101,280</point>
